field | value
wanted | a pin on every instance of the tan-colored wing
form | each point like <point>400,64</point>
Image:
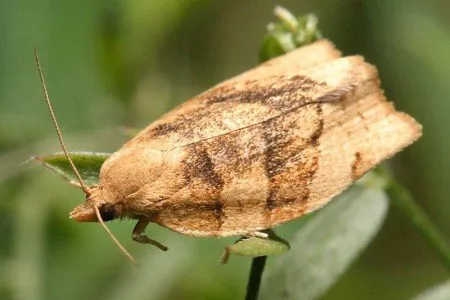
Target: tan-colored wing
<point>264,92</point>
<point>275,171</point>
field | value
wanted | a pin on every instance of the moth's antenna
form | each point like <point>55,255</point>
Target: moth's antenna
<point>122,248</point>
<point>55,123</point>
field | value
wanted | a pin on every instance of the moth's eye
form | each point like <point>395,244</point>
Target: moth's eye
<point>107,212</point>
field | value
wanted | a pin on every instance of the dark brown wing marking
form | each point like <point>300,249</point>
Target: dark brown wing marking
<point>290,161</point>
<point>283,94</point>
<point>275,95</point>
<point>199,170</point>
<point>356,172</point>
<point>164,128</point>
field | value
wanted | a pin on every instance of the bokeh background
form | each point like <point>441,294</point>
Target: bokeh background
<point>111,64</point>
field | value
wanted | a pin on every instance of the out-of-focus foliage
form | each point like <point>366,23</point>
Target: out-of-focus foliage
<point>114,63</point>
<point>440,292</point>
<point>288,33</point>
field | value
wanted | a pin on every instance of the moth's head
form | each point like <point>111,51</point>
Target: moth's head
<point>121,175</point>
<point>93,209</point>
<point>86,211</point>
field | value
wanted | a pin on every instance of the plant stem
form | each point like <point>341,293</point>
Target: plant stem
<point>420,221</point>
<point>254,279</point>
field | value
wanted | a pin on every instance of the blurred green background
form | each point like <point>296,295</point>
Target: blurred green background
<point>124,63</point>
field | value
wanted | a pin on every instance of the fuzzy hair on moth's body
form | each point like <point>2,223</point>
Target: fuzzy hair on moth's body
<point>265,147</point>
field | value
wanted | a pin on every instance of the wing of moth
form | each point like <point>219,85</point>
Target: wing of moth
<point>265,147</point>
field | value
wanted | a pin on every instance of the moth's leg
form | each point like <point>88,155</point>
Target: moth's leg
<point>139,237</point>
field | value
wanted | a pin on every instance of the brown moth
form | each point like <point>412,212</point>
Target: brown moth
<point>260,149</point>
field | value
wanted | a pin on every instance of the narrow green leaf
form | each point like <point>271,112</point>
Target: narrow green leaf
<point>87,163</point>
<point>324,248</point>
<point>440,292</point>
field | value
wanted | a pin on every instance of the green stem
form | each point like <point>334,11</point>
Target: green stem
<point>254,279</point>
<point>420,221</point>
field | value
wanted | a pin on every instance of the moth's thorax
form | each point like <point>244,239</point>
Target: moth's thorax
<point>128,170</point>
<point>163,178</point>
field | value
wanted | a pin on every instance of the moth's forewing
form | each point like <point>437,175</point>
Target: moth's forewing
<point>269,145</point>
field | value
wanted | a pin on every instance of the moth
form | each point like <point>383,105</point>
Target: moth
<point>265,147</point>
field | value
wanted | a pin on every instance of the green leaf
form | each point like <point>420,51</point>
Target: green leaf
<point>257,246</point>
<point>326,245</point>
<point>87,163</point>
<point>440,292</point>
